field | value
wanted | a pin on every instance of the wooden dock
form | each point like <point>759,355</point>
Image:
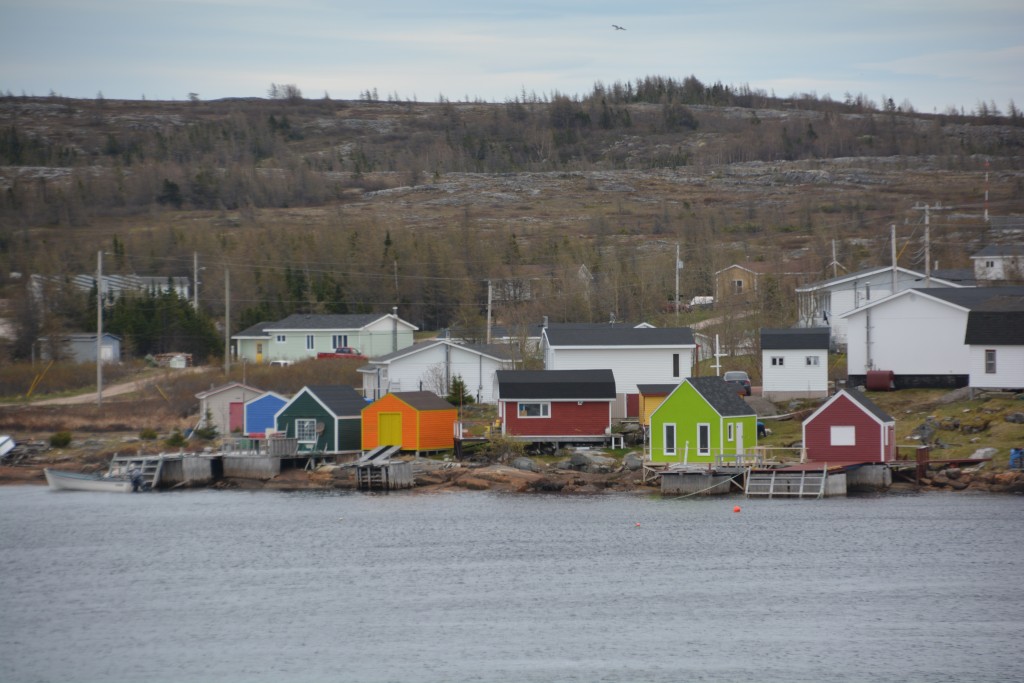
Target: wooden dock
<point>376,471</point>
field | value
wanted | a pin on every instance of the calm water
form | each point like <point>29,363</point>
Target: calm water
<point>263,586</point>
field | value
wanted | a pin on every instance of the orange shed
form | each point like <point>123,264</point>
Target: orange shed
<point>415,420</point>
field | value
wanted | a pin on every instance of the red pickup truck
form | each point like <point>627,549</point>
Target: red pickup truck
<point>342,352</point>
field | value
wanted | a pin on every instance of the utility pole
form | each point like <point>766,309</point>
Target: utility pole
<point>679,266</point>
<point>927,240</point>
<point>227,322</point>
<point>892,238</point>
<point>195,280</point>
<point>489,311</point>
<point>986,190</point>
<point>99,328</point>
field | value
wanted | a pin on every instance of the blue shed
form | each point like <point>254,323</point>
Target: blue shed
<point>260,412</point>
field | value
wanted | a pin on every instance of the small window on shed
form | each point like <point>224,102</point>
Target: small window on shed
<point>813,361</point>
<point>990,361</point>
<point>534,410</point>
<point>843,436</point>
<point>280,339</point>
<point>675,364</point>
<point>737,286</point>
<point>778,361</point>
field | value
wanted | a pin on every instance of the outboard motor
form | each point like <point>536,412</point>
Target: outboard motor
<point>137,483</point>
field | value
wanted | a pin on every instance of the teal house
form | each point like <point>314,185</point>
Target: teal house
<point>324,419</point>
<point>702,418</point>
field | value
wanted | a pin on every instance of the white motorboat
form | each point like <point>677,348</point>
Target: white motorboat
<point>73,481</point>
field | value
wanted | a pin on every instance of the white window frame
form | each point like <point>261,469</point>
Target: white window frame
<point>310,342</point>
<point>705,428</point>
<point>990,361</point>
<point>730,432</point>
<point>813,361</point>
<point>339,340</point>
<point>677,364</point>
<point>737,286</point>
<point>669,446</point>
<point>305,427</point>
<point>280,339</point>
<point>778,361</point>
<point>842,435</point>
<point>544,410</point>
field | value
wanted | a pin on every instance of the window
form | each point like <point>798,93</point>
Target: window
<point>305,429</point>
<point>813,361</point>
<point>703,439</point>
<point>867,291</point>
<point>534,410</point>
<point>338,340</point>
<point>737,286</point>
<point>990,361</point>
<point>675,364</point>
<point>280,339</point>
<point>990,264</point>
<point>843,436</point>
<point>730,431</point>
<point>778,361</point>
<point>309,342</point>
<point>670,439</point>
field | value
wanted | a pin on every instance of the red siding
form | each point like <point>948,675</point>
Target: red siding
<point>567,419</point>
<point>868,439</point>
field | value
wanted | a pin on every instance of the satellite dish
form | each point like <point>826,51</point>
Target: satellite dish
<point>319,427</point>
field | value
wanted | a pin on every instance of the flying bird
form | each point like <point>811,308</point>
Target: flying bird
<point>617,27</point>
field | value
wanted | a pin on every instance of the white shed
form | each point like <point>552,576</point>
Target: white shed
<point>794,363</point>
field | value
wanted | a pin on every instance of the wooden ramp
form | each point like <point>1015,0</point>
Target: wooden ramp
<point>803,483</point>
<point>150,467</point>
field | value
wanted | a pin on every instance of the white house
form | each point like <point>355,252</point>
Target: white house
<point>635,355</point>
<point>431,366</point>
<point>794,363</point>
<point>918,334</point>
<point>995,341</point>
<point>999,262</point>
<point>304,335</point>
<point>824,304</point>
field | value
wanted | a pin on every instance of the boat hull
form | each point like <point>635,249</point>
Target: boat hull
<point>73,481</point>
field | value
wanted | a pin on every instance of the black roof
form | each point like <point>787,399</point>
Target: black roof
<point>1000,250</point>
<point>999,321</point>
<point>325,321</point>
<point>868,405</point>
<point>721,395</point>
<point>556,384</point>
<point>257,330</point>
<point>340,399</point>
<point>620,336</point>
<point>656,389</point>
<point>795,338</point>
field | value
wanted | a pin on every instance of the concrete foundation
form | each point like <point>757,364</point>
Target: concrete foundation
<point>251,466</point>
<point>869,478</point>
<point>695,483</point>
<point>194,469</point>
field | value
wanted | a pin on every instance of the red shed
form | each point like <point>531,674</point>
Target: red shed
<point>850,428</point>
<point>556,406</point>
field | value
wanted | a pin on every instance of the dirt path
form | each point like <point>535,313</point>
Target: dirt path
<point>112,390</point>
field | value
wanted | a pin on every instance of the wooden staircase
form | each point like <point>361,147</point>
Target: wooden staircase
<point>149,465</point>
<point>803,484</point>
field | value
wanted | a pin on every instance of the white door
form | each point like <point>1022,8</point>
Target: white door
<point>739,438</point>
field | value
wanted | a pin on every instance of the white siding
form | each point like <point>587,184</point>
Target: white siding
<point>1009,372</point>
<point>378,338</point>
<point>910,335</point>
<point>421,370</point>
<point>794,376</point>
<point>631,366</point>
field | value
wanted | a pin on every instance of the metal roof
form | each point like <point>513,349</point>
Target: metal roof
<point>556,384</point>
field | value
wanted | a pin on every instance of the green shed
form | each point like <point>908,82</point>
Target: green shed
<point>701,419</point>
<point>325,419</point>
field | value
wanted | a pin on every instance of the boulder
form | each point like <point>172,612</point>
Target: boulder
<point>592,463</point>
<point>953,472</point>
<point>546,485</point>
<point>525,464</point>
<point>1015,418</point>
<point>633,461</point>
<point>975,425</point>
<point>984,453</point>
<point>957,485</point>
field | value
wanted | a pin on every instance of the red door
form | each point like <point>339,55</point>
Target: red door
<point>236,417</point>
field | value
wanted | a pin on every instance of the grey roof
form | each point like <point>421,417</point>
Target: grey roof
<point>556,384</point>
<point>499,351</point>
<point>795,338</point>
<point>999,321</point>
<point>961,276</point>
<point>423,400</point>
<point>340,399</point>
<point>620,336</point>
<point>325,321</point>
<point>868,405</point>
<point>1000,250</point>
<point>257,330</point>
<point>656,389</point>
<point>721,396</point>
<point>972,297</point>
<point>823,284</point>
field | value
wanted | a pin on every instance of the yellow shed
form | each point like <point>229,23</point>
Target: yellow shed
<point>651,396</point>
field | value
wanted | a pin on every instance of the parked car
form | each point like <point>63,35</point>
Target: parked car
<point>342,352</point>
<point>740,379</point>
<point>280,363</point>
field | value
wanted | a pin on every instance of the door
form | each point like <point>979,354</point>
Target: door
<point>389,429</point>
<point>259,352</point>
<point>236,416</point>
<point>739,438</point>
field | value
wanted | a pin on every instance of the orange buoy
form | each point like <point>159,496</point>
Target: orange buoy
<point>638,523</point>
<point>736,509</point>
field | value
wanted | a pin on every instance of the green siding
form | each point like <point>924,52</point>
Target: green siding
<point>304,406</point>
<point>350,434</point>
<point>687,409</point>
